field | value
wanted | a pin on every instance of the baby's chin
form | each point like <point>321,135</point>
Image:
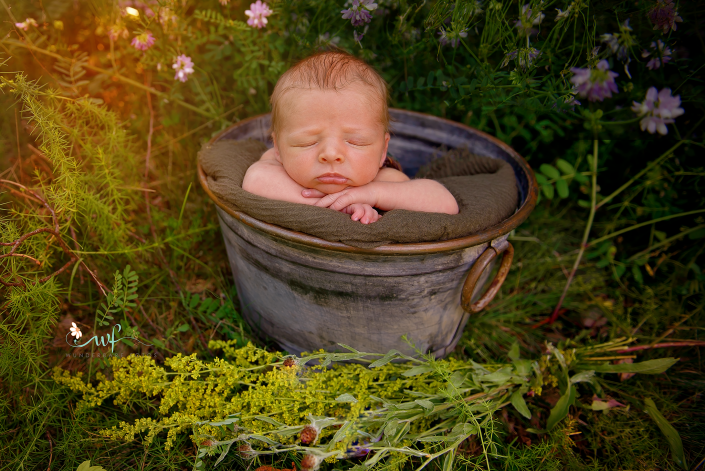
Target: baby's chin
<point>329,188</point>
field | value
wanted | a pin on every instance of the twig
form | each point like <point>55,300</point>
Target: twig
<point>73,258</point>
<point>51,450</point>
<point>686,343</point>
<point>586,234</point>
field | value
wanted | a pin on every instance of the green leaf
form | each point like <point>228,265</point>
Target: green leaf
<point>499,376</point>
<point>425,403</point>
<point>183,328</point>
<point>548,191</point>
<point>550,171</point>
<point>560,410</point>
<point>448,462</point>
<point>671,434</point>
<point>429,79</point>
<point>86,466</point>
<point>389,356</point>
<point>583,377</point>
<point>584,204</point>
<point>562,188</point>
<point>193,302</point>
<point>542,180</point>
<point>346,398</point>
<point>402,87</point>
<point>580,178</point>
<point>649,367</point>
<point>519,404</point>
<point>565,167</point>
<point>417,370</point>
<point>513,353</point>
<point>636,271</point>
<point>264,418</point>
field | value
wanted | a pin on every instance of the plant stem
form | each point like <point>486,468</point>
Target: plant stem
<point>666,241</point>
<point>653,221</point>
<point>586,234</point>
<point>638,175</point>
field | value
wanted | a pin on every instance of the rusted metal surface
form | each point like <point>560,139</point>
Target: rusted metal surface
<point>480,266</point>
<point>307,293</point>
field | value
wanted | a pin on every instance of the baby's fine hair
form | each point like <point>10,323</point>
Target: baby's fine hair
<point>329,70</point>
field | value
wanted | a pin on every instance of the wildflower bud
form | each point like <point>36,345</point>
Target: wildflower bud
<point>308,435</point>
<point>290,362</point>
<point>246,451</point>
<point>310,463</point>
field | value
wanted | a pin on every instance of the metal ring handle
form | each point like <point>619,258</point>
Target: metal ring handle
<point>474,275</point>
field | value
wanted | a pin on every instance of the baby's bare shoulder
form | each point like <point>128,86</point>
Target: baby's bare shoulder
<point>388,174</point>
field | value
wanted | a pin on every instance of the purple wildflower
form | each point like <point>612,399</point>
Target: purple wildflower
<point>258,13</point>
<point>595,84</point>
<point>143,41</point>
<point>661,52</point>
<point>562,15</point>
<point>527,19</point>
<point>359,12</point>
<point>523,58</point>
<point>26,24</point>
<point>358,36</point>
<point>183,67</point>
<point>451,37</point>
<point>658,110</point>
<point>664,16</point>
<point>620,42</point>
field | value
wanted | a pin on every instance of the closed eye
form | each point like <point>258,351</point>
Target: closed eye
<point>358,143</point>
<point>306,144</point>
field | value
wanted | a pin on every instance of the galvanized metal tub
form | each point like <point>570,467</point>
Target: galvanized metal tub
<point>307,293</point>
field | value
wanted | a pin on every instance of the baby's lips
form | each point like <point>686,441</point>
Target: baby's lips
<point>334,178</point>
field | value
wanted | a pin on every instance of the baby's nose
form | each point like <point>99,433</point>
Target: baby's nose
<point>331,157</point>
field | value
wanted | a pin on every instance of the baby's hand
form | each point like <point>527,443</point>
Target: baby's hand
<point>362,212</point>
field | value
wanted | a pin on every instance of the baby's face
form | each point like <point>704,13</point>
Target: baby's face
<point>330,140</point>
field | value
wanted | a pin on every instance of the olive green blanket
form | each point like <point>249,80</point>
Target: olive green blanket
<point>484,188</point>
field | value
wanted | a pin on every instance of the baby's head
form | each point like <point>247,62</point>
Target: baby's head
<point>330,121</point>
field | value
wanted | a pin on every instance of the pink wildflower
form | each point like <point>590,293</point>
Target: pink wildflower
<point>258,13</point>
<point>658,110</point>
<point>664,16</point>
<point>143,41</point>
<point>661,52</point>
<point>595,84</point>
<point>183,67</point>
<point>26,24</point>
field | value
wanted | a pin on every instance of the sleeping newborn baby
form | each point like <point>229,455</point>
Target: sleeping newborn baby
<point>330,130</point>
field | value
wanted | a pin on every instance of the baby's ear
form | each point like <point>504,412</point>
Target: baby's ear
<point>276,148</point>
<point>384,152</point>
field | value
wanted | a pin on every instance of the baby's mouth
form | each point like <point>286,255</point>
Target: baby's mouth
<point>334,178</point>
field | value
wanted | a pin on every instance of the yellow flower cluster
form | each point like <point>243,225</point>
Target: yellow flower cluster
<point>252,384</point>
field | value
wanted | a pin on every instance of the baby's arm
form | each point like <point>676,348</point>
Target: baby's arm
<point>267,178</point>
<point>415,195</point>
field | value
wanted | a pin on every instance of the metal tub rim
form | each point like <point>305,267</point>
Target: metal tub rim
<point>481,237</point>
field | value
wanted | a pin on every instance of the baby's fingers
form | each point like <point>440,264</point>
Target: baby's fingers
<point>370,215</point>
<point>358,212</point>
<point>312,193</point>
